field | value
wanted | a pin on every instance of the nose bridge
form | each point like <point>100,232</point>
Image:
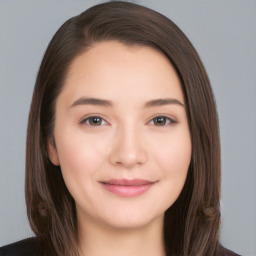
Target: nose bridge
<point>128,147</point>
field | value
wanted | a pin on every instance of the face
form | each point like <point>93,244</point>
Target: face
<point>121,134</point>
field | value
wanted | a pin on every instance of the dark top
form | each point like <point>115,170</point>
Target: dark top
<point>32,247</point>
<point>27,247</point>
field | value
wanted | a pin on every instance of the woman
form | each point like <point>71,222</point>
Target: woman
<point>123,151</point>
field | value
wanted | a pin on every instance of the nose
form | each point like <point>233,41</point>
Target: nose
<point>128,149</point>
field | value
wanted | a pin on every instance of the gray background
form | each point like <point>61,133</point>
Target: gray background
<point>224,33</point>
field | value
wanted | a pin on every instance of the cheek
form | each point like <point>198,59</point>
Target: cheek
<point>80,155</point>
<point>174,155</point>
<point>171,158</point>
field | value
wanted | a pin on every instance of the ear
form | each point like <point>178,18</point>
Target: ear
<point>52,152</point>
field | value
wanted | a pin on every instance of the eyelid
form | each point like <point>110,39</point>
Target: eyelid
<point>172,120</point>
<point>85,118</point>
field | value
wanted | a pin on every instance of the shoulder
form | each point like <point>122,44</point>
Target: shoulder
<point>225,252</point>
<point>30,246</point>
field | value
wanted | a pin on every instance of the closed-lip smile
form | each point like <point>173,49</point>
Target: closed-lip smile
<point>127,187</point>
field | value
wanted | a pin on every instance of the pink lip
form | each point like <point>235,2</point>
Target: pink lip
<point>127,188</point>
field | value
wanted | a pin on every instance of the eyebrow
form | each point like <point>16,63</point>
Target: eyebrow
<point>107,103</point>
<point>163,102</point>
<point>92,101</point>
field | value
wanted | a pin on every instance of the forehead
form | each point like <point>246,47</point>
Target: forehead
<point>110,68</point>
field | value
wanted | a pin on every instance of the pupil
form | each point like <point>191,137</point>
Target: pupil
<point>160,121</point>
<point>95,120</point>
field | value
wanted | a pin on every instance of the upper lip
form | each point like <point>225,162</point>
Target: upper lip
<point>128,182</point>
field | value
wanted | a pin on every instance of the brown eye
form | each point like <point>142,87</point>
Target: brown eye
<point>94,121</point>
<point>161,121</point>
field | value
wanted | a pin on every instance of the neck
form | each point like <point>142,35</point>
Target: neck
<point>95,239</point>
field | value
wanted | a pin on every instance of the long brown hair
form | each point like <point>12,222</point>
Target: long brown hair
<point>192,223</point>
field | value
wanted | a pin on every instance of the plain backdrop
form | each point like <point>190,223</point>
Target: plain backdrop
<point>223,32</point>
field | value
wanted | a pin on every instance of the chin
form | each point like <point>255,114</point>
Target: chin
<point>132,220</point>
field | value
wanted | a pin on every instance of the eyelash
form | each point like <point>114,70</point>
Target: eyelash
<point>167,121</point>
<point>90,118</point>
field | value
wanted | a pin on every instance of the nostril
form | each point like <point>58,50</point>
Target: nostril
<point>127,160</point>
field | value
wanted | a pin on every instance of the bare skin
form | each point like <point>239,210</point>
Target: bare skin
<point>120,119</point>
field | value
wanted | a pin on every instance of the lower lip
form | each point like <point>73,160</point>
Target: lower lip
<point>127,191</point>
